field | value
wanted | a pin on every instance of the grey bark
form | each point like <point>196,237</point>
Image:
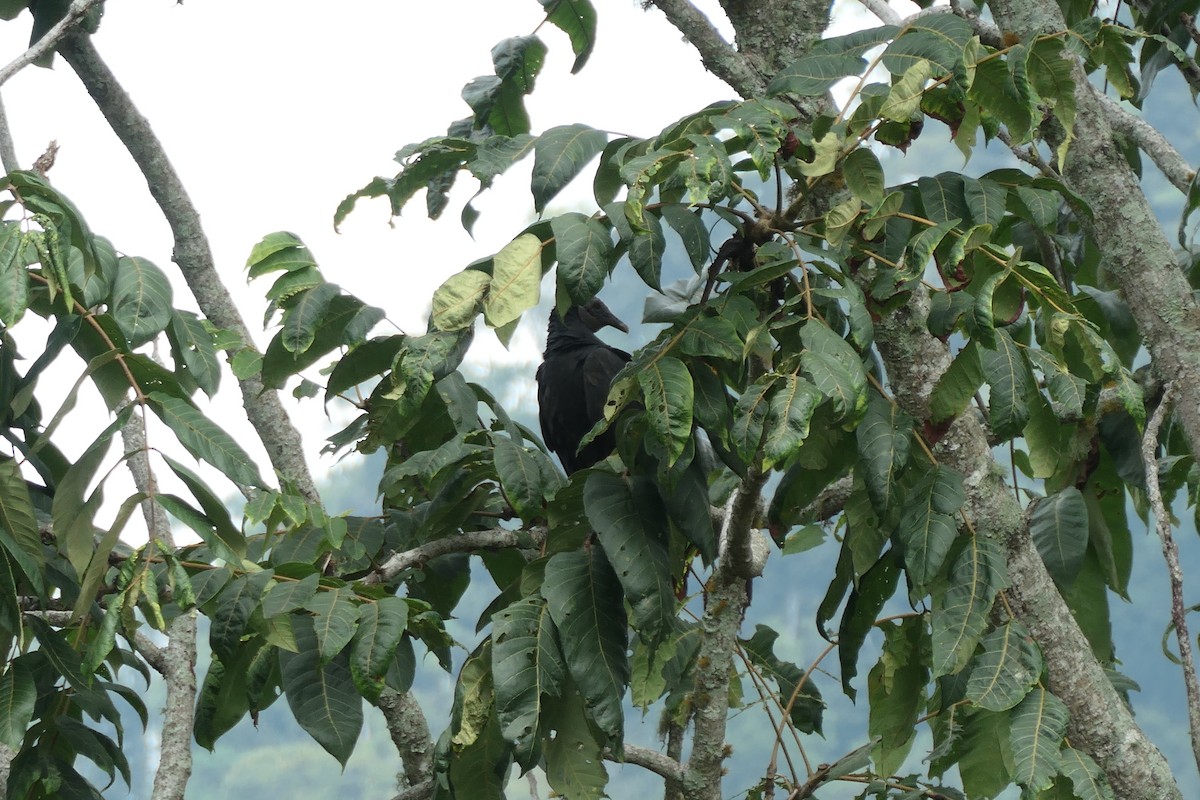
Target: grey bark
<point>1101,724</point>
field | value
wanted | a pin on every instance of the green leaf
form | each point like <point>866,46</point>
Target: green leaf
<point>628,516</point>
<point>585,255</point>
<point>1059,526</point>
<point>527,476</point>
<point>577,18</point>
<point>985,199</point>
<point>558,156</point>
<point>960,613</point>
<point>1085,775</point>
<point>18,695</point>
<point>193,344</point>
<point>584,598</point>
<point>381,626</point>
<point>667,387</point>
<point>526,667</point>
<point>958,385</point>
<point>986,763</point>
<point>1038,725</point>
<point>864,176</point>
<point>692,232</point>
<point>457,301</point>
<point>715,337</point>
<point>18,526</point>
<point>1007,666</point>
<point>927,525</point>
<point>995,90</point>
<point>807,709</point>
<point>867,599</point>
<point>304,314</point>
<point>816,73</point>
<point>322,696</point>
<point>204,439</point>
<point>574,759</point>
<point>750,416</point>
<point>516,281</point>
<point>896,688</point>
<point>793,401</point>
<point>937,38</point>
<point>141,300</point>
<point>884,438</point>
<point>231,611</point>
<point>335,620</point>
<point>835,369</point>
<point>1008,375</point>
<point>286,596</point>
<point>903,101</point>
<point>281,250</point>
<point>14,277</point>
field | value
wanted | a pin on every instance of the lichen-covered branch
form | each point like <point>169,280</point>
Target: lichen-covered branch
<point>1101,724</point>
<point>726,602</point>
<point>469,542</point>
<point>1148,139</point>
<point>663,765</point>
<point>718,56</point>
<point>1137,256</point>
<point>192,252</point>
<point>410,733</point>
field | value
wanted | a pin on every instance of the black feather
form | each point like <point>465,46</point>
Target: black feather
<point>573,382</point>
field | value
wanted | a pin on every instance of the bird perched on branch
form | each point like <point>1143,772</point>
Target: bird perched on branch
<point>573,381</point>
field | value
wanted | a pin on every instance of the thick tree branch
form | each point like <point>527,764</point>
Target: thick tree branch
<point>1101,724</point>
<point>410,733</point>
<point>718,56</point>
<point>1137,256</point>
<point>1162,519</point>
<point>1164,155</point>
<point>490,539</point>
<point>192,253</point>
<point>726,602</point>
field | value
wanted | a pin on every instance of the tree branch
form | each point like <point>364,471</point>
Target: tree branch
<point>882,11</point>
<point>1148,139</point>
<point>718,56</point>
<point>192,253</point>
<point>50,40</point>
<point>490,539</point>
<point>656,762</point>
<point>1162,519</point>
<point>410,733</point>
<point>1101,724</point>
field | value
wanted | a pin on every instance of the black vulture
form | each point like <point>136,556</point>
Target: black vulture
<point>573,381</point>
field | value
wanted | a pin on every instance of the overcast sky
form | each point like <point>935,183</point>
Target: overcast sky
<point>273,110</point>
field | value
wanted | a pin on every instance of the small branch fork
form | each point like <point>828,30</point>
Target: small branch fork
<point>1162,519</point>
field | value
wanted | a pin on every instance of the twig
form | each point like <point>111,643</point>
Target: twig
<point>719,57</point>
<point>1162,520</point>
<point>490,539</point>
<point>48,42</point>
